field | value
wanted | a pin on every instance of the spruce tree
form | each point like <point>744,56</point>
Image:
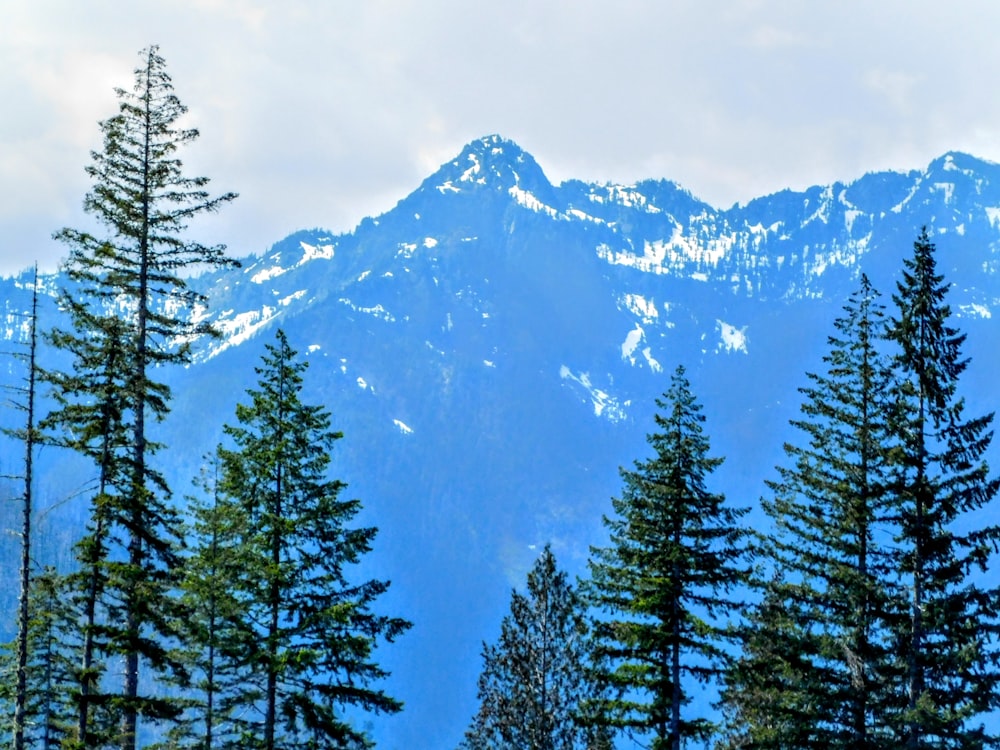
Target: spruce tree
<point>831,510</point>
<point>535,677</point>
<point>135,271</point>
<point>663,585</point>
<point>948,626</point>
<point>311,629</point>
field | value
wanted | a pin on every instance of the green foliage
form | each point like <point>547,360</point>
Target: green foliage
<point>880,628</point>
<point>49,714</point>
<point>946,635</point>
<point>130,308</point>
<point>676,550</point>
<point>826,619</point>
<point>768,700</point>
<point>215,627</point>
<point>535,677</point>
<point>307,632</point>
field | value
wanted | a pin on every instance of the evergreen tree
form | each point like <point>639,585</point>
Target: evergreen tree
<point>311,629</point>
<point>535,677</point>
<point>676,551</point>
<point>948,629</point>
<point>50,715</point>
<point>831,508</point>
<point>135,272</point>
<point>94,427</point>
<point>768,700</point>
<point>216,621</point>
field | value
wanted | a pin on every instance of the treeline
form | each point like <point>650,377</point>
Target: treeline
<point>235,624</point>
<point>865,617</point>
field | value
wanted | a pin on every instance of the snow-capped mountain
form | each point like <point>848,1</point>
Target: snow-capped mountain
<point>492,347</point>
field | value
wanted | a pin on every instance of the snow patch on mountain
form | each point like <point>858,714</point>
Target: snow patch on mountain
<point>403,427</point>
<point>605,405</point>
<point>238,328</point>
<point>627,196</point>
<point>947,188</point>
<point>823,207</point>
<point>641,307</point>
<point>633,340</point>
<point>17,327</point>
<point>732,339</point>
<point>682,254</point>
<point>286,301</point>
<point>530,202</point>
<point>975,310</point>
<point>472,173</point>
<point>654,365</point>
<point>266,274</point>
<point>376,311</point>
<point>576,213</point>
<point>898,208</point>
<point>631,343</point>
<point>315,252</point>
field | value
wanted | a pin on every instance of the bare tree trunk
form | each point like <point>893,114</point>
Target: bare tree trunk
<point>21,696</point>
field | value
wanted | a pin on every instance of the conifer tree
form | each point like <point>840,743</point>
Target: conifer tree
<point>49,713</point>
<point>662,586</point>
<point>135,271</point>
<point>94,427</point>
<point>947,632</point>
<point>768,700</point>
<point>312,630</point>
<point>216,620</point>
<point>535,677</point>
<point>831,509</point>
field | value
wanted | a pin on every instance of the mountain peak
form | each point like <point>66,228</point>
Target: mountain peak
<point>491,161</point>
<point>957,161</point>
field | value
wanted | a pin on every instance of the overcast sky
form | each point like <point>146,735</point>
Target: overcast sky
<point>321,112</point>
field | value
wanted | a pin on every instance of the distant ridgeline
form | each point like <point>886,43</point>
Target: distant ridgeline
<point>492,347</point>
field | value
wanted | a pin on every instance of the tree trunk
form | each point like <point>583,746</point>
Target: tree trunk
<point>21,695</point>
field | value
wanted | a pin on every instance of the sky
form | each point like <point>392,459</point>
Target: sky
<point>321,112</point>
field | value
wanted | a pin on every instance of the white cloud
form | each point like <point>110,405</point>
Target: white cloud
<point>322,113</point>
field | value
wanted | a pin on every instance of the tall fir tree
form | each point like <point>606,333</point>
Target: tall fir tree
<point>663,586</point>
<point>216,620</point>
<point>312,630</point>
<point>136,272</point>
<point>831,508</point>
<point>948,627</point>
<point>536,676</point>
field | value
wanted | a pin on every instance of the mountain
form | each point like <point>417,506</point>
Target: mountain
<point>492,347</point>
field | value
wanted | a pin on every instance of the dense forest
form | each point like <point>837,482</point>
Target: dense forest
<point>229,614</point>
